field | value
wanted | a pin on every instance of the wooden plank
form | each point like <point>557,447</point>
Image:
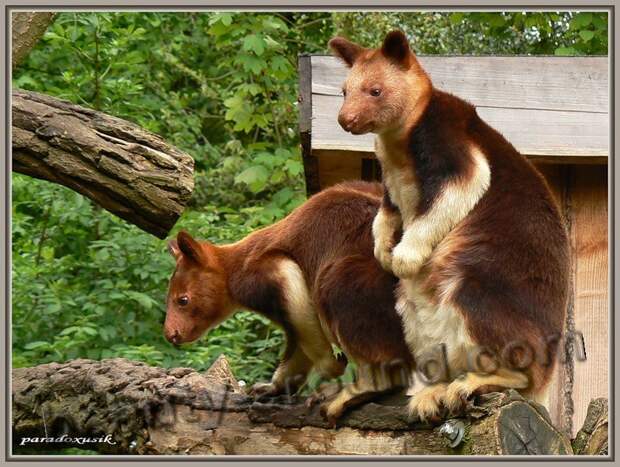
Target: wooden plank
<point>311,165</point>
<point>590,241</point>
<point>558,401</point>
<point>304,66</point>
<point>542,82</point>
<point>334,169</point>
<point>535,133</point>
<point>546,106</point>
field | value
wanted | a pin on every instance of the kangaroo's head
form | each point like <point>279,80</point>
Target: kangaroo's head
<point>198,297</point>
<point>386,88</point>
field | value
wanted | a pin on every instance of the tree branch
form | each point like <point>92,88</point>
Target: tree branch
<point>125,169</point>
<point>26,29</point>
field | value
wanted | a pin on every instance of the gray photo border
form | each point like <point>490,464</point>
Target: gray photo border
<point>257,5</point>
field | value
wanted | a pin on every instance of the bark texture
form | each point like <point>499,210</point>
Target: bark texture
<point>593,438</point>
<point>127,170</point>
<point>149,410</point>
<point>26,29</point>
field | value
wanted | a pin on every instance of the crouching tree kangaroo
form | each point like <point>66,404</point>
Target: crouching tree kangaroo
<point>314,274</point>
<point>483,258</point>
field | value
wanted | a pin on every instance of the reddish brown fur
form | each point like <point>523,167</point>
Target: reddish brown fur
<point>510,253</point>
<point>329,237</point>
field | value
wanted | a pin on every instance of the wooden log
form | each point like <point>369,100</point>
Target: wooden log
<point>148,410</point>
<point>593,438</point>
<point>26,29</point>
<point>127,170</point>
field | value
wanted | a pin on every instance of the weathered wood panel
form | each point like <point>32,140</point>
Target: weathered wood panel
<point>540,133</point>
<point>590,244</point>
<point>334,169</point>
<point>311,164</point>
<point>550,83</point>
<point>559,401</point>
<point>548,107</point>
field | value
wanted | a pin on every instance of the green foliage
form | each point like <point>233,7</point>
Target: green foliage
<point>89,285</point>
<point>223,87</point>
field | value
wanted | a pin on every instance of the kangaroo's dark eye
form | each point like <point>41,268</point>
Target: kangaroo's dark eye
<point>344,92</point>
<point>374,92</point>
<point>183,300</point>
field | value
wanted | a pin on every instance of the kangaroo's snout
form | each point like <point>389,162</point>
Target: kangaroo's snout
<point>347,121</point>
<point>174,337</point>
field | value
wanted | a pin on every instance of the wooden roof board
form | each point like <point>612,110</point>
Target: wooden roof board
<point>545,106</point>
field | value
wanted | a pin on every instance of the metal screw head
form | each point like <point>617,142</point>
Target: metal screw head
<point>453,431</point>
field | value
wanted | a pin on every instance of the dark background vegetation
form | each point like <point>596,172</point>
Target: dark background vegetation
<point>223,87</point>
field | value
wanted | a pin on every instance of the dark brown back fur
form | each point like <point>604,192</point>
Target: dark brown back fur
<point>330,238</point>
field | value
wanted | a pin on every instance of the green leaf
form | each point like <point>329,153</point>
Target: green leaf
<point>280,64</point>
<point>36,345</point>
<point>565,51</point>
<point>218,29</point>
<point>254,43</point>
<point>226,19</point>
<point>70,330</point>
<point>26,81</point>
<point>251,88</point>
<point>456,18</point>
<point>274,23</point>
<point>600,21</point>
<point>283,196</point>
<point>581,20</point>
<point>255,177</point>
<point>89,331</point>
<point>143,299</point>
<point>277,177</point>
<point>586,35</point>
<point>251,63</point>
<point>496,20</point>
<point>294,167</point>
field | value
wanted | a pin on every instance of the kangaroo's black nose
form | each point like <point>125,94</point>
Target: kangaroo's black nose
<point>173,337</point>
<point>347,121</point>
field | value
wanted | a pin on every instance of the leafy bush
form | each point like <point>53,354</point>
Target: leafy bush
<point>223,87</point>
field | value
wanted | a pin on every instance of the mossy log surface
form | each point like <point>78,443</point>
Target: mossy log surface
<point>150,410</point>
<point>593,437</point>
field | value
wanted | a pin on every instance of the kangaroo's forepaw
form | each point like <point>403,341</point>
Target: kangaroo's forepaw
<point>383,253</point>
<point>406,261</point>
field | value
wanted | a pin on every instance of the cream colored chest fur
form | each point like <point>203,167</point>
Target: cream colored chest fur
<point>428,325</point>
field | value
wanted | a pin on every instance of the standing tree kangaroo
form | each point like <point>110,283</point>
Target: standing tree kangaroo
<point>483,258</point>
<point>314,274</point>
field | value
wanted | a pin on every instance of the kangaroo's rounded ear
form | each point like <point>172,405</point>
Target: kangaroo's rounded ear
<point>190,248</point>
<point>173,248</point>
<point>396,47</point>
<point>346,50</point>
